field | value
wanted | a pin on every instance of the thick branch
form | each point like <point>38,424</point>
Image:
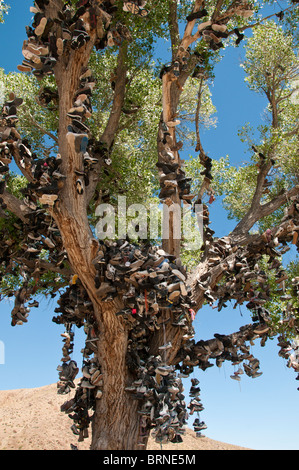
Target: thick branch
<point>44,266</point>
<point>44,131</point>
<point>24,167</point>
<point>15,206</point>
<point>173,26</point>
<point>118,99</point>
<point>198,146</point>
<point>230,347</point>
<point>217,9</point>
<point>252,215</point>
<point>257,212</point>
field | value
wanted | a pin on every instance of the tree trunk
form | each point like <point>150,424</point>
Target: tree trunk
<point>116,422</point>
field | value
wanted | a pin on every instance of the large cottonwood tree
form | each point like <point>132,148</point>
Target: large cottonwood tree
<point>91,117</point>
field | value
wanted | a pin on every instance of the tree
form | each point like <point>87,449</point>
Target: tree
<point>3,10</point>
<point>97,119</point>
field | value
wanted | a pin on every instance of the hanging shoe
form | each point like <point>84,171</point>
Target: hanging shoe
<point>197,15</point>
<point>176,69</point>
<point>79,126</point>
<point>39,30</point>
<point>79,186</point>
<point>131,7</point>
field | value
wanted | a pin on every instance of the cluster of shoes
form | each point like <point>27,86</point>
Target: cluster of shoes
<point>77,408</point>
<point>9,136</point>
<point>291,216</point>
<point>46,42</point>
<point>67,374</point>
<point>41,49</point>
<point>22,260</point>
<point>245,280</point>
<point>149,280</point>
<point>251,369</point>
<point>206,162</point>
<point>179,64</point>
<point>153,292</point>
<point>222,348</point>
<point>199,426</point>
<point>68,340</point>
<point>47,96</point>
<point>213,33</point>
<point>87,392</point>
<point>78,131</point>
<point>171,175</point>
<point>89,388</point>
<point>74,305</point>
<point>20,312</point>
<point>40,233</point>
<point>195,405</point>
<point>48,180</point>
<point>162,406</point>
<point>289,350</point>
<point>43,234</point>
<point>208,233</point>
<point>45,172</point>
<point>233,347</point>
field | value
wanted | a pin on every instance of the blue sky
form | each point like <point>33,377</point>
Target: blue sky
<point>259,413</point>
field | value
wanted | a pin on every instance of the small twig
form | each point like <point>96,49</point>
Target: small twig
<point>198,146</point>
<point>44,131</point>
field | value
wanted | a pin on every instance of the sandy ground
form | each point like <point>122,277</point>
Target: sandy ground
<point>30,419</point>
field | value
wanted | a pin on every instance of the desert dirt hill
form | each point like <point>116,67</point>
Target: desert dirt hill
<point>30,419</point>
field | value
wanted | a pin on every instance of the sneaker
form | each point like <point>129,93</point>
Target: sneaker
<point>41,27</point>
<point>60,46</point>
<point>164,370</point>
<point>256,374</point>
<point>77,141</point>
<point>131,7</point>
<point>75,430</point>
<point>48,199</point>
<point>221,28</point>
<point>79,186</point>
<point>77,111</point>
<point>87,384</point>
<point>196,15</point>
<point>261,329</point>
<point>49,242</point>
<point>235,377</point>
<point>79,126</point>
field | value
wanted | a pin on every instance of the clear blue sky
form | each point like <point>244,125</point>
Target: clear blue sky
<point>259,413</point>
